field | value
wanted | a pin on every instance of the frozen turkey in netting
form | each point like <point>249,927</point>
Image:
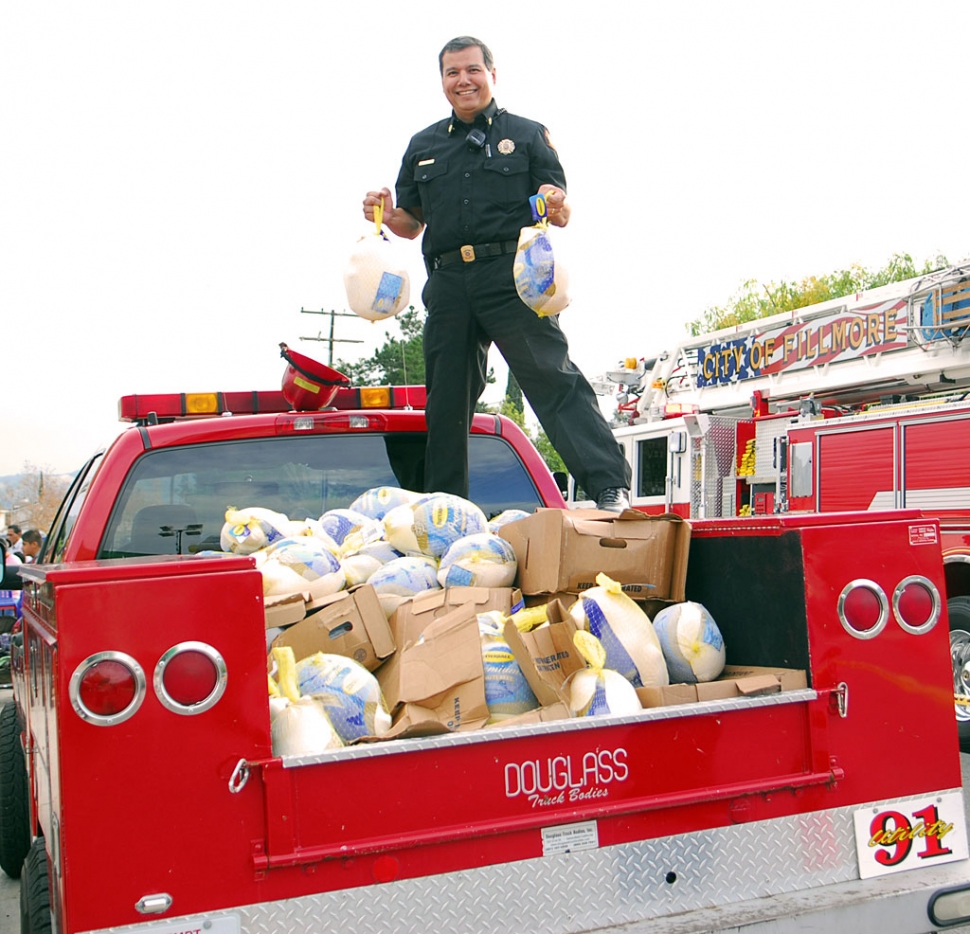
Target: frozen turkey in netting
<point>376,277</point>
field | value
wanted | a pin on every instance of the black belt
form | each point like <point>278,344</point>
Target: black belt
<point>469,253</point>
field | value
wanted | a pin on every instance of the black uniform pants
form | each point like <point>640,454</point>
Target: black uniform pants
<point>470,306</point>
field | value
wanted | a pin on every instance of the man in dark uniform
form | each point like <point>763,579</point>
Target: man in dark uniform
<point>466,182</point>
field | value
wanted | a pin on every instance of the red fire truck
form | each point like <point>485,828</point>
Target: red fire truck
<point>858,403</point>
<point>154,803</point>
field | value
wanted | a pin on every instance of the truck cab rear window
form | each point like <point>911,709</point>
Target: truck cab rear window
<point>175,500</point>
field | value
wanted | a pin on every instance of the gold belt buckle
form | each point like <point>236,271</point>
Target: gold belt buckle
<point>468,253</point>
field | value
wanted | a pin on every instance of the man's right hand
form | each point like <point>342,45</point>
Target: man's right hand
<point>374,198</point>
<point>400,221</point>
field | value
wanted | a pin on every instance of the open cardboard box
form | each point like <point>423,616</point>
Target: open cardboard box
<point>750,681</point>
<point>547,656</point>
<point>437,684</point>
<point>541,599</point>
<point>413,616</point>
<point>563,550</point>
<point>734,681</point>
<point>349,623</point>
<point>557,710</point>
<point>285,610</point>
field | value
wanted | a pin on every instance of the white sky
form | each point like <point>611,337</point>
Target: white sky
<point>180,178</point>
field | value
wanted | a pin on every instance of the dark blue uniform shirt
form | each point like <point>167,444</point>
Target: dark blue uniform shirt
<point>476,194</point>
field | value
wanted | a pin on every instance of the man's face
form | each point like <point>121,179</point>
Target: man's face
<point>12,537</point>
<point>466,81</point>
<point>31,549</point>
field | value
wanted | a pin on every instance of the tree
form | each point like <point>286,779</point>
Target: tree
<point>513,393</point>
<point>399,361</point>
<point>31,500</point>
<point>755,300</point>
<point>549,454</point>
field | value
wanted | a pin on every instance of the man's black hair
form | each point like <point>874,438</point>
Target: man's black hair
<point>465,42</point>
<point>33,536</point>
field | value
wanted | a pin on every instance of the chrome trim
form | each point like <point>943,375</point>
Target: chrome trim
<point>218,690</point>
<point>880,595</point>
<point>934,595</point>
<point>955,902</point>
<point>154,904</point>
<point>239,777</point>
<point>141,688</point>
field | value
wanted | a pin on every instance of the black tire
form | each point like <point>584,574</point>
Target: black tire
<point>35,893</point>
<point>958,609</point>
<point>14,801</point>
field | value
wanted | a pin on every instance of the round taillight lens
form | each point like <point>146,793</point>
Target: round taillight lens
<point>863,609</point>
<point>190,678</point>
<point>917,604</point>
<point>107,688</point>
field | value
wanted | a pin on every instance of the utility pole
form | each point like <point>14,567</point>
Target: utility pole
<point>331,340</point>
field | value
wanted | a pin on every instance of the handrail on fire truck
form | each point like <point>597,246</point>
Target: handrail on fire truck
<point>893,342</point>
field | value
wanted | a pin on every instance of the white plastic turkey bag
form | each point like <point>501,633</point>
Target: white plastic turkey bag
<point>541,281</point>
<point>597,690</point>
<point>376,278</point>
<point>625,631</point>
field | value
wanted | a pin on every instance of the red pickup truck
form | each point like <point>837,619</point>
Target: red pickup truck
<point>834,803</point>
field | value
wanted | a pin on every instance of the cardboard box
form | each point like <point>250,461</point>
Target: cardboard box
<point>439,678</point>
<point>284,611</point>
<point>749,681</point>
<point>734,681</point>
<point>541,599</point>
<point>547,655</point>
<point>559,549</point>
<point>349,623</point>
<point>668,695</point>
<point>558,710</point>
<point>413,616</point>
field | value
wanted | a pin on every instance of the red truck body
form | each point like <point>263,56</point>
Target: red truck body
<point>174,818</point>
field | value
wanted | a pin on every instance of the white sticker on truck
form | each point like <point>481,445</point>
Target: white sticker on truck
<point>923,535</point>
<point>200,924</point>
<point>893,838</point>
<point>569,838</point>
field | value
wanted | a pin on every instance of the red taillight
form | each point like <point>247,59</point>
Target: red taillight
<point>190,677</point>
<point>917,604</point>
<point>863,609</point>
<point>107,688</point>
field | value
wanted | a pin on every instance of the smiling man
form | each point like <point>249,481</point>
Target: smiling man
<point>465,182</point>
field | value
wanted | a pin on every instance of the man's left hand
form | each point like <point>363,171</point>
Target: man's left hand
<point>556,208</point>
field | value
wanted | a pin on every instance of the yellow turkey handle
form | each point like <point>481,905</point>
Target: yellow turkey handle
<point>379,216</point>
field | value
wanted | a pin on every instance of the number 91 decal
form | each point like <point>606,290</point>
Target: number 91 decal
<point>904,836</point>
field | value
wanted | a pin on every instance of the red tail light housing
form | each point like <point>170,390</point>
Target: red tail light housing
<point>107,688</point>
<point>917,604</point>
<point>863,609</point>
<point>190,678</point>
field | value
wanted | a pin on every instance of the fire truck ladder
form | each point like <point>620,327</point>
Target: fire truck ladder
<point>944,314</point>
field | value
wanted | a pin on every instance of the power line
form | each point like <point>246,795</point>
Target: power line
<point>331,340</point>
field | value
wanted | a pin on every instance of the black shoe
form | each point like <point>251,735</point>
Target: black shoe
<point>613,499</point>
